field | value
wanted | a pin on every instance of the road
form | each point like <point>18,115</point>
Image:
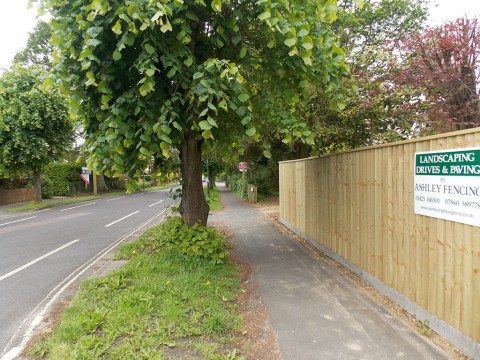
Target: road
<point>44,252</point>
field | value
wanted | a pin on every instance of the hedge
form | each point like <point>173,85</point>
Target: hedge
<point>61,174</point>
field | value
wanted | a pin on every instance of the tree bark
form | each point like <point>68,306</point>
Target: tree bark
<point>193,207</point>
<point>37,186</point>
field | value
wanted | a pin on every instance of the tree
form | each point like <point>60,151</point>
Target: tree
<point>34,124</point>
<point>375,111</point>
<point>38,50</point>
<point>442,63</point>
<point>149,76</point>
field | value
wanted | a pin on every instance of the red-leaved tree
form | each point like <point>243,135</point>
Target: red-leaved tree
<point>443,64</point>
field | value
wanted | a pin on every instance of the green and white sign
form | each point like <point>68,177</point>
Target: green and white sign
<point>447,185</point>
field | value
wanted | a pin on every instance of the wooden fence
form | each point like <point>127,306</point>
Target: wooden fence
<point>359,205</point>
<point>15,196</point>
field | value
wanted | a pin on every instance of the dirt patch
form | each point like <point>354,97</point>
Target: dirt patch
<point>271,210</point>
<point>260,341</point>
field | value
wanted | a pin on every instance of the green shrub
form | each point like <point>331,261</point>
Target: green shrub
<point>238,184</point>
<point>61,174</point>
<point>198,241</point>
<point>47,187</point>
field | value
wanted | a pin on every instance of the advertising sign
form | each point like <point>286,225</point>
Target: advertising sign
<point>85,175</point>
<point>447,185</point>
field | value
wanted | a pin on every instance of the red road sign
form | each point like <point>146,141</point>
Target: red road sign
<point>242,166</point>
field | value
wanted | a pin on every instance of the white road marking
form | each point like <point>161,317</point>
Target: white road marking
<point>158,202</point>
<point>123,218</point>
<point>45,305</point>
<point>79,206</point>
<point>13,272</point>
<point>11,222</point>
<point>118,198</point>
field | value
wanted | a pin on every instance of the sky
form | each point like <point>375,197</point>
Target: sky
<point>16,21</point>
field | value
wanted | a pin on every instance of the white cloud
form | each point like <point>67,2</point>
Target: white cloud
<point>16,21</point>
<point>449,10</point>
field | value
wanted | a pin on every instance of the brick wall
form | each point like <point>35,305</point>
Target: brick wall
<point>15,196</point>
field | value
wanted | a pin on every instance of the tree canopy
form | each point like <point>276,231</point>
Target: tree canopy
<point>34,124</point>
<point>442,64</point>
<point>38,50</point>
<point>149,76</point>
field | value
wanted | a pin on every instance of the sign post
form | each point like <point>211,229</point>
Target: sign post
<point>447,185</point>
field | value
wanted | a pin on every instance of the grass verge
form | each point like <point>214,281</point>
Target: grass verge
<point>214,199</point>
<point>162,304</point>
<point>41,205</point>
<point>44,204</point>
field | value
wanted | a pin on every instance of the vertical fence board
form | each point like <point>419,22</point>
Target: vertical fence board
<point>360,205</point>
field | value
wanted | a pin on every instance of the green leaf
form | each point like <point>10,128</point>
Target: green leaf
<point>166,27</point>
<point>192,16</point>
<point>243,52</point>
<point>150,49</point>
<point>307,60</point>
<point>236,39</point>
<point>290,42</point>
<point>145,151</point>
<point>267,153</point>
<point>93,42</point>
<point>217,5</point>
<point>197,75</point>
<point>265,15</point>
<point>212,122</point>
<point>150,72</point>
<point>117,55</point>
<point>204,125</point>
<point>177,126</point>
<point>165,149</point>
<point>251,131</point>
<point>188,62</point>
<point>207,134</point>
<point>243,97</point>
<point>307,43</point>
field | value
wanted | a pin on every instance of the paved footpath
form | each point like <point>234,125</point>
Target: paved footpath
<point>316,312</point>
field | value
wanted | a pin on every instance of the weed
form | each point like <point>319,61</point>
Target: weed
<point>424,329</point>
<point>162,304</point>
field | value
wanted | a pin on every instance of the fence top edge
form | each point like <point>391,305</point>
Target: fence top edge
<point>396,143</point>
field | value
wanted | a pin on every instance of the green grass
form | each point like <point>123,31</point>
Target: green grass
<point>44,204</point>
<point>161,305</point>
<point>214,199</point>
<point>35,206</point>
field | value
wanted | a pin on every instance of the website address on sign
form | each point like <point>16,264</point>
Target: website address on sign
<point>449,212</point>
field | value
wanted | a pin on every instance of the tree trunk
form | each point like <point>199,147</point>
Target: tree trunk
<point>101,185</point>
<point>211,181</point>
<point>37,186</point>
<point>193,207</point>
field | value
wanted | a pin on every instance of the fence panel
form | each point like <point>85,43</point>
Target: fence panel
<point>360,205</point>
<point>15,196</point>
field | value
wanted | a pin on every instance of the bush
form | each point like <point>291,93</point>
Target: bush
<point>238,184</point>
<point>61,175</point>
<point>47,187</point>
<point>199,242</point>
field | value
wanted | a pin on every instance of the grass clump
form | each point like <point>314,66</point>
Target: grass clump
<point>213,199</point>
<point>163,304</point>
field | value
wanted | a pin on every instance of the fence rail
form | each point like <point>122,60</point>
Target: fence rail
<point>360,206</point>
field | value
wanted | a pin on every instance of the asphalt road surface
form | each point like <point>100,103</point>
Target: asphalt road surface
<point>44,252</point>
